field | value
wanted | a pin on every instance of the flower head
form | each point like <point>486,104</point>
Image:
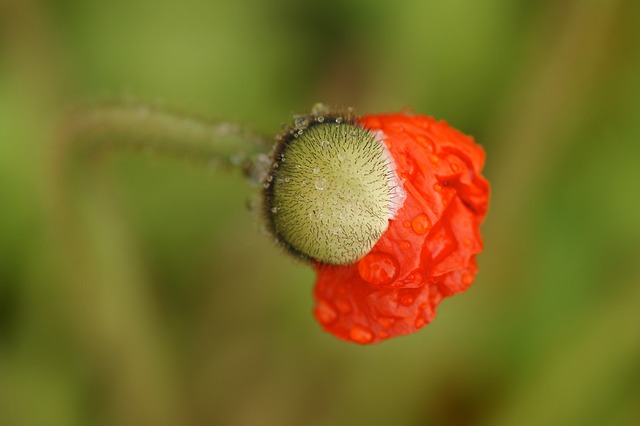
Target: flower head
<point>400,231</point>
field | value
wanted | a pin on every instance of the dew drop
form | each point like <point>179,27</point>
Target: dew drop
<point>437,187</point>
<point>454,167</point>
<point>383,334</point>
<point>406,224</point>
<point>434,159</point>
<point>325,144</point>
<point>407,300</point>
<point>315,215</point>
<point>325,313</point>
<point>301,122</point>
<point>421,224</point>
<point>386,322</point>
<point>274,210</point>
<point>378,268</point>
<point>360,334</point>
<point>316,170</point>
<point>405,245</point>
<point>467,279</point>
<point>321,184</point>
<point>413,279</point>
<point>467,242</point>
<point>320,119</point>
<point>340,157</point>
<point>420,321</point>
<point>339,120</point>
<point>287,179</point>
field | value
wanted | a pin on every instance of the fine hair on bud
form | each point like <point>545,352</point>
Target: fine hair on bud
<point>331,189</point>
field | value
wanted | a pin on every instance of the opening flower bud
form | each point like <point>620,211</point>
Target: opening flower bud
<point>331,190</point>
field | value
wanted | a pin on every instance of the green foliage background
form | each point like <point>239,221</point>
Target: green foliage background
<point>172,308</point>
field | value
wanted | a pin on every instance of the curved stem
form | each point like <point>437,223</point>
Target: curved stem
<point>107,127</point>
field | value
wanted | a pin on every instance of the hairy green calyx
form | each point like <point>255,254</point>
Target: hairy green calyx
<point>331,190</point>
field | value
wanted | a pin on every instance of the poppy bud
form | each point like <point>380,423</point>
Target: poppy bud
<point>387,207</point>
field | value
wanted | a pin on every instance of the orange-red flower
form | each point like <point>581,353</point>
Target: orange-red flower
<point>428,251</point>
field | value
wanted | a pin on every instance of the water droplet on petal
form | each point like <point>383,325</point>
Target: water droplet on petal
<point>340,157</point>
<point>437,187</point>
<point>386,322</point>
<point>316,170</point>
<point>325,144</point>
<point>406,224</point>
<point>325,313</point>
<point>360,334</point>
<point>421,224</point>
<point>420,321</point>
<point>405,245</point>
<point>413,279</point>
<point>434,159</point>
<point>378,268</point>
<point>274,210</point>
<point>407,299</point>
<point>320,119</point>
<point>467,279</point>
<point>383,334</point>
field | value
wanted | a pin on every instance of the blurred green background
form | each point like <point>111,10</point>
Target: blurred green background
<point>171,308</point>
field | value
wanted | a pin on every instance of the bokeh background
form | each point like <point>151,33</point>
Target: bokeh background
<point>170,307</point>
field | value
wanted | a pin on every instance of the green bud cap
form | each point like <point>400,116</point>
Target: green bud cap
<point>331,190</point>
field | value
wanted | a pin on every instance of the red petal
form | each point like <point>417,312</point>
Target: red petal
<point>428,251</point>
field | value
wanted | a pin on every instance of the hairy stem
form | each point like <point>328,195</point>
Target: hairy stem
<point>95,131</point>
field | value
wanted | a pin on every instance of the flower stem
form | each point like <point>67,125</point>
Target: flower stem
<point>127,125</point>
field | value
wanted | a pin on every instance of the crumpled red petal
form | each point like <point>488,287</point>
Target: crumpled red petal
<point>428,251</point>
